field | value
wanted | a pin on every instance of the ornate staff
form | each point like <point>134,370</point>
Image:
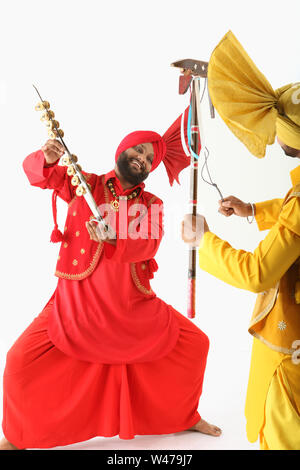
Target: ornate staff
<point>192,71</point>
<point>74,170</point>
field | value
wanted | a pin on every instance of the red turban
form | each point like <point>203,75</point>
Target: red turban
<point>167,148</point>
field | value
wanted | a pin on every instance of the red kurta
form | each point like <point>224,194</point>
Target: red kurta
<point>105,356</point>
<point>104,318</point>
<point>96,325</point>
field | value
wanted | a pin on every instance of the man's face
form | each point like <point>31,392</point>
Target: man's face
<point>289,151</point>
<point>135,163</point>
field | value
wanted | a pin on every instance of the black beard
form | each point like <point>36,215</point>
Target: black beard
<point>134,178</point>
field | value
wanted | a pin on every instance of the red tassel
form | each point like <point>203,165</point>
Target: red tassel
<point>56,235</point>
<point>152,266</point>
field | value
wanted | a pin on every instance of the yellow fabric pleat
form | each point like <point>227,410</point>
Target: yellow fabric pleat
<point>264,362</point>
<point>273,399</point>
<point>246,101</point>
<point>281,430</point>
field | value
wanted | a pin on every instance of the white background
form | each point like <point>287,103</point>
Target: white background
<point>105,68</point>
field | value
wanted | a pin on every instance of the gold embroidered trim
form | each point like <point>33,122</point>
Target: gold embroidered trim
<point>137,282</point>
<point>106,193</point>
<point>134,275</point>
<point>266,309</point>
<point>270,345</point>
<point>90,269</point>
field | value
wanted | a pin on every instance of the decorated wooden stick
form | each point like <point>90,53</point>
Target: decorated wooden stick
<point>70,160</point>
<point>191,71</point>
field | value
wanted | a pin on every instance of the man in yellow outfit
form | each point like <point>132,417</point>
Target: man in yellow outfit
<point>256,114</point>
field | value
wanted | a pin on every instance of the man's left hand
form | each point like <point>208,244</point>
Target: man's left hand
<point>193,227</point>
<point>98,233</point>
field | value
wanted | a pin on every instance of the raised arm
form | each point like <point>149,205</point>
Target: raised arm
<point>42,170</point>
<point>262,269</point>
<point>266,213</point>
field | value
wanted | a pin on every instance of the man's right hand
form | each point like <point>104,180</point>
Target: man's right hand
<point>52,150</point>
<point>232,205</point>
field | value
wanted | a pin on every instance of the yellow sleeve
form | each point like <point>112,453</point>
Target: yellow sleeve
<point>262,269</point>
<point>267,213</point>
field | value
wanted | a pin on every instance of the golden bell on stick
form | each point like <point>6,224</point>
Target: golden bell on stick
<point>80,191</point>
<point>71,170</point>
<point>52,124</point>
<point>75,180</point>
<point>42,105</point>
<point>46,116</point>
<point>53,133</point>
<point>66,161</point>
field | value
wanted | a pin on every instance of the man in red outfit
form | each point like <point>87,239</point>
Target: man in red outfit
<point>105,356</point>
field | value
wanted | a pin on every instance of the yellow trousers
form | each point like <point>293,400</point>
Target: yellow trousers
<point>273,399</point>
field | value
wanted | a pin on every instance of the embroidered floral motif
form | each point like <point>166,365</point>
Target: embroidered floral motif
<point>82,251</point>
<point>65,245</point>
<point>88,271</point>
<point>77,233</point>
<point>75,262</point>
<point>281,325</point>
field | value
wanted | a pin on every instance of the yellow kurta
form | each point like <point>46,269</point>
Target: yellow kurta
<point>272,407</point>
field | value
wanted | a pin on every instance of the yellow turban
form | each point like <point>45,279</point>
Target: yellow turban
<point>247,103</point>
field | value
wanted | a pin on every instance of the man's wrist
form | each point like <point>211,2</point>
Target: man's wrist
<point>251,209</point>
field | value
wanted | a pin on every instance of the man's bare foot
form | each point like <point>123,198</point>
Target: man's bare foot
<point>5,445</point>
<point>206,428</point>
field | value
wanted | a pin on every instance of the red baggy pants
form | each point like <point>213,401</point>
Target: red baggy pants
<point>51,399</point>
